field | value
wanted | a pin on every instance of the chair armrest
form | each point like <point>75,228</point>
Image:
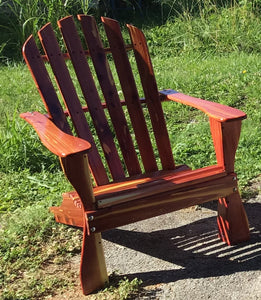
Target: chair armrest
<point>54,139</point>
<point>219,112</point>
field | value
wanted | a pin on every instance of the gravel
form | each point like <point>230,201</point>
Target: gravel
<point>179,256</point>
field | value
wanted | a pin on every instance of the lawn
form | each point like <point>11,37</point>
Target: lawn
<point>213,55</point>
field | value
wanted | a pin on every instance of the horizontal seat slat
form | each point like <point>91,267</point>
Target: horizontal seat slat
<point>116,193</point>
<point>211,188</point>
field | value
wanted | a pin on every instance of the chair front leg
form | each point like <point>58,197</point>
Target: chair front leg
<point>232,220</point>
<point>93,273</point>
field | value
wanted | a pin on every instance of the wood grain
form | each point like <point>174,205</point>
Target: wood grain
<point>143,208</point>
<point>110,93</point>
<point>44,85</point>
<point>71,100</point>
<point>152,97</point>
<point>130,93</point>
<point>53,138</point>
<point>91,96</point>
<point>225,138</point>
<point>214,110</point>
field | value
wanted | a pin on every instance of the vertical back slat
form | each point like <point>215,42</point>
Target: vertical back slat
<point>91,96</point>
<point>152,97</point>
<point>64,81</point>
<point>109,90</point>
<point>43,82</point>
<point>130,93</point>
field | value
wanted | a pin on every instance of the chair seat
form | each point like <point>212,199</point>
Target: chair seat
<point>139,188</point>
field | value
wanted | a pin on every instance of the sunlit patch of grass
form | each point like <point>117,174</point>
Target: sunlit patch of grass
<point>120,288</point>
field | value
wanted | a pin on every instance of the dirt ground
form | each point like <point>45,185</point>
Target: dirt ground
<point>179,256</point>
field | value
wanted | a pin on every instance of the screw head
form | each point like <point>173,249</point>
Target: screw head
<point>90,218</point>
<point>93,229</point>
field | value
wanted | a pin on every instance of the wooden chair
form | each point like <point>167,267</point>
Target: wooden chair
<point>113,185</point>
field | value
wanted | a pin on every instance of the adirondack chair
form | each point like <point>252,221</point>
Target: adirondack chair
<point>113,185</point>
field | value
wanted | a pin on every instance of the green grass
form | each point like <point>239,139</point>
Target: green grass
<point>20,18</point>
<point>215,56</point>
<point>30,242</point>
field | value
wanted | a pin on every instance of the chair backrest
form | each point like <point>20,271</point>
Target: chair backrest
<point>117,126</point>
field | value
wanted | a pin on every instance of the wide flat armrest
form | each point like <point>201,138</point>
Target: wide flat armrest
<point>214,110</point>
<point>58,142</point>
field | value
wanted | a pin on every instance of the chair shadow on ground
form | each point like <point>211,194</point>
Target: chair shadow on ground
<point>195,248</point>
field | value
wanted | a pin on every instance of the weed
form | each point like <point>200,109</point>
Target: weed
<point>120,288</point>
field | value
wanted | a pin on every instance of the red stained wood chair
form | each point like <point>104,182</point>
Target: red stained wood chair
<point>113,185</point>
